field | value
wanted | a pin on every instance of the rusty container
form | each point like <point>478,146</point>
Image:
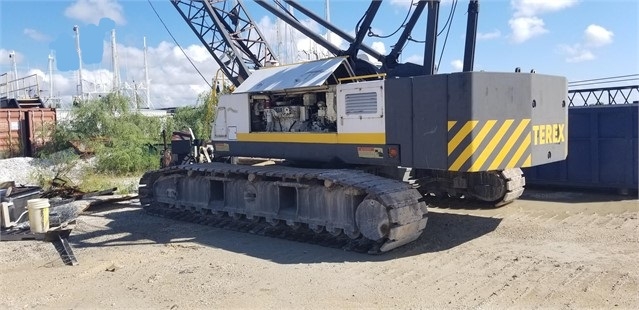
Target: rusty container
<point>24,131</point>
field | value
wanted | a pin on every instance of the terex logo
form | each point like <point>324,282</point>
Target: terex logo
<point>551,133</point>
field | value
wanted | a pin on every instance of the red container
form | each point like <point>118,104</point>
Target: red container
<point>24,131</point>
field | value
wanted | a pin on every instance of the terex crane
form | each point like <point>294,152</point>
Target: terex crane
<point>347,131</point>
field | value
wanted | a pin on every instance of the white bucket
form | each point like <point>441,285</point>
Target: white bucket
<point>38,215</point>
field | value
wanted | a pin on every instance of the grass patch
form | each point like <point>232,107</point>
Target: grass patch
<point>102,181</point>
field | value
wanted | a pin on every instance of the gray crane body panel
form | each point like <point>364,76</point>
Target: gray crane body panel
<point>421,109</point>
<point>469,122</point>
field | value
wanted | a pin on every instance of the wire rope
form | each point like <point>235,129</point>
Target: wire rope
<point>178,45</point>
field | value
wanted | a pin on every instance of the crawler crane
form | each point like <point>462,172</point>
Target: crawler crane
<point>360,145</point>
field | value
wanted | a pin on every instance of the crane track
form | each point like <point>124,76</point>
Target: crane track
<point>403,205</point>
<point>261,228</point>
<point>514,184</point>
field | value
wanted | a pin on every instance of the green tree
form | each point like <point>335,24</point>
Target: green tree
<point>198,117</point>
<point>118,135</point>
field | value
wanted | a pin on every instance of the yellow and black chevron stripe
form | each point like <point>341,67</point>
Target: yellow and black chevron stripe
<point>489,145</point>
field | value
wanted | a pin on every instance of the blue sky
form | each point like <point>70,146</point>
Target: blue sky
<point>579,39</point>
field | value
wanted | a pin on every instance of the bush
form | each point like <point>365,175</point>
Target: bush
<point>58,165</point>
<point>120,137</point>
<point>198,117</point>
<point>126,159</point>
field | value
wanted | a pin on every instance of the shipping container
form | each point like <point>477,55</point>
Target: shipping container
<point>24,131</point>
<point>602,151</point>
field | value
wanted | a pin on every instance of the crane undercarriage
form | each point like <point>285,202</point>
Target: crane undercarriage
<point>377,213</point>
<point>344,208</point>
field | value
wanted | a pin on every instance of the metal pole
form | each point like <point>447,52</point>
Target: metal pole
<point>431,37</point>
<point>114,60</point>
<point>12,57</point>
<point>50,78</point>
<point>146,78</point>
<point>80,89</point>
<point>471,35</point>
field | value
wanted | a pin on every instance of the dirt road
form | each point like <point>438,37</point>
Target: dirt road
<point>547,250</point>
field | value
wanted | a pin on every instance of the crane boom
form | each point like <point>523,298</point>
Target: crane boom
<point>284,16</point>
<point>229,34</point>
<point>337,30</point>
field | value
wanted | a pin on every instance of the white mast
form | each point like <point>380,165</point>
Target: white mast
<point>290,40</point>
<point>327,14</point>
<point>12,57</point>
<point>146,78</point>
<point>278,34</point>
<point>114,61</point>
<point>327,17</point>
<point>50,76</point>
<point>76,29</point>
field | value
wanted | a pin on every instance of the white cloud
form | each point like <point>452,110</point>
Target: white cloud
<point>457,64</point>
<point>379,47</point>
<point>524,28</point>
<point>174,82</point>
<point>336,40</point>
<point>536,7</point>
<point>36,35</point>
<point>596,35</point>
<point>526,23</point>
<point>91,11</point>
<point>489,35</point>
<point>576,53</point>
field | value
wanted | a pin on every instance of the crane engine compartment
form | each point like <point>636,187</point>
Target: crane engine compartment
<point>294,112</point>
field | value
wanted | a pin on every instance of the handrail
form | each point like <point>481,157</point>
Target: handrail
<point>361,77</point>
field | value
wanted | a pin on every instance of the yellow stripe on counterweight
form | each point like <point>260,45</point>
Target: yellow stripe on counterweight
<point>509,144</point>
<point>301,137</point>
<point>520,151</point>
<point>528,161</point>
<point>463,133</point>
<point>451,124</point>
<point>473,146</point>
<point>491,145</point>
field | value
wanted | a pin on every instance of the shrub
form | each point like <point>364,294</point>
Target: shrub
<point>122,138</point>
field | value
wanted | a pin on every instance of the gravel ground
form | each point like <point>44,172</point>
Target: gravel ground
<point>23,170</point>
<point>548,250</point>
